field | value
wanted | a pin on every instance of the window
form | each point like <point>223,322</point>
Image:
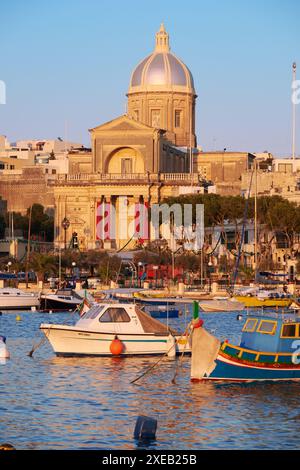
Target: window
<point>126,166</point>
<point>114,315</point>
<point>177,118</point>
<point>155,118</point>
<point>229,239</point>
<point>288,331</point>
<point>93,312</point>
<point>267,327</point>
<point>246,236</point>
<point>250,325</point>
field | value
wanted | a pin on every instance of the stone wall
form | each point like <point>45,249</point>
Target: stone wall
<point>21,191</point>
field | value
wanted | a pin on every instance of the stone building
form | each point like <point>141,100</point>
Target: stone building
<point>282,178</point>
<point>224,169</point>
<point>136,159</point>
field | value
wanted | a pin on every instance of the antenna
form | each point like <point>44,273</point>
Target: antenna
<point>294,113</point>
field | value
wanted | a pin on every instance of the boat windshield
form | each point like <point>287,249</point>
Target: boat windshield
<point>92,313</point>
<point>115,315</point>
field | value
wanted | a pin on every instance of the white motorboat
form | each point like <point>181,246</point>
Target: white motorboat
<point>16,299</point>
<point>221,304</point>
<point>62,300</point>
<point>99,328</point>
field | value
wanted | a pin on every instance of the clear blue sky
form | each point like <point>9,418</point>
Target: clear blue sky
<point>71,60</point>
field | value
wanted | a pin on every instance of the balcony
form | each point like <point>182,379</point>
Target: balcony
<point>110,178</point>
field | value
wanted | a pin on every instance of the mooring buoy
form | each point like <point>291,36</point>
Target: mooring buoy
<point>145,428</point>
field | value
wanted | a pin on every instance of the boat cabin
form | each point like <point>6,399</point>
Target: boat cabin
<point>271,333</point>
<point>120,318</point>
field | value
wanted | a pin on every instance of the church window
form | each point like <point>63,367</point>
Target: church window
<point>177,118</point>
<point>155,118</point>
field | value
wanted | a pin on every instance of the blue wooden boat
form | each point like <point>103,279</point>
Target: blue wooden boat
<point>164,312</point>
<point>269,350</point>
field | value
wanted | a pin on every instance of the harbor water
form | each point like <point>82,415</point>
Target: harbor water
<point>89,403</point>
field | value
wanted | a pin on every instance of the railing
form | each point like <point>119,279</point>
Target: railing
<point>147,177</point>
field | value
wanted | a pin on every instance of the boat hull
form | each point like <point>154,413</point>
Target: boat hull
<point>19,303</point>
<point>71,341</point>
<point>235,364</point>
<point>164,313</point>
<point>256,302</point>
<point>227,370</point>
<point>221,306</point>
<point>54,304</point>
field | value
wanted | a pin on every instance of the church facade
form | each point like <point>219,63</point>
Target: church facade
<point>136,159</point>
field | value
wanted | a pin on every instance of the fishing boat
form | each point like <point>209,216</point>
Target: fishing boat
<point>163,311</point>
<point>61,300</point>
<point>221,304</point>
<point>16,299</point>
<point>268,350</point>
<point>103,326</point>
<point>255,297</point>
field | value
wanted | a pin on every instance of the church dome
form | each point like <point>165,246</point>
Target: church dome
<point>161,70</point>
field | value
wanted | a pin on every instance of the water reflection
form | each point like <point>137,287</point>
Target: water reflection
<point>90,403</point>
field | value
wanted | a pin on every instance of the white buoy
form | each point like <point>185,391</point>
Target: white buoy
<point>4,353</point>
<point>171,346</point>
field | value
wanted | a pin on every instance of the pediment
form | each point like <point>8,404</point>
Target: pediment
<point>122,124</point>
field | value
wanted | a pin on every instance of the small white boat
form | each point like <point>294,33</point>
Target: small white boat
<point>103,324</point>
<point>221,304</point>
<point>62,299</point>
<point>16,299</point>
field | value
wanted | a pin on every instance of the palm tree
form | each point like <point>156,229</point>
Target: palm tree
<point>42,263</point>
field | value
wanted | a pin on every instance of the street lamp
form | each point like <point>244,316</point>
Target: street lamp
<point>140,264</point>
<point>9,265</point>
<point>73,272</point>
<point>65,225</point>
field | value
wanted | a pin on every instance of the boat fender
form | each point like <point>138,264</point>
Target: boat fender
<point>197,323</point>
<point>239,317</point>
<point>18,318</point>
<point>116,346</point>
<point>4,353</point>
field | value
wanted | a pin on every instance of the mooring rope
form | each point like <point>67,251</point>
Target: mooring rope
<point>164,355</point>
<point>43,340</point>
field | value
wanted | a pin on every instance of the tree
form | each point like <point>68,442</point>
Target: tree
<point>42,224</point>
<point>43,264</point>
